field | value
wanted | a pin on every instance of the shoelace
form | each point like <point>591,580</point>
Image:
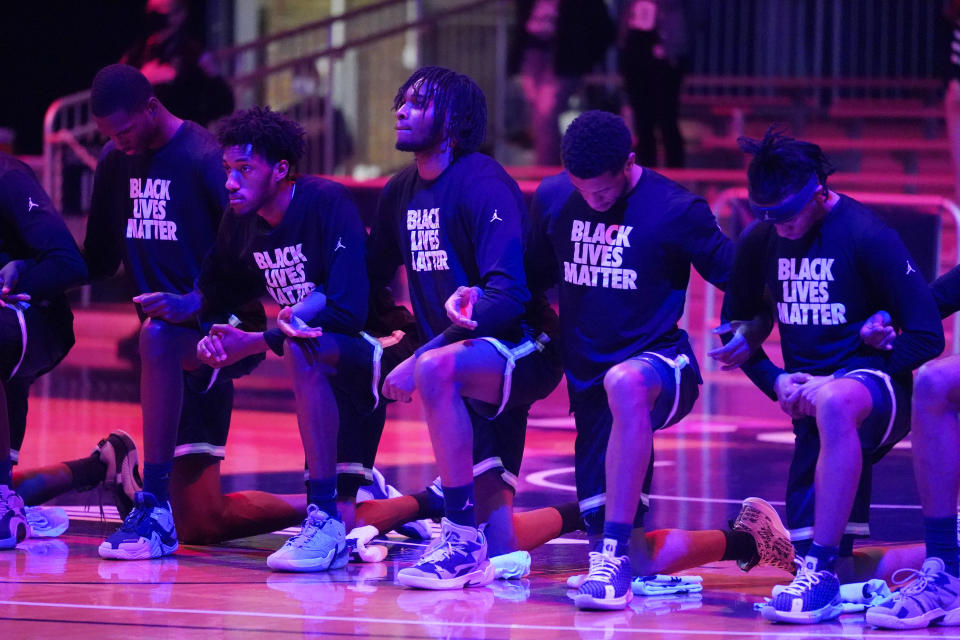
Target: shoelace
<point>919,584</point>
<point>307,533</point>
<point>602,568</point>
<point>135,517</point>
<point>804,580</point>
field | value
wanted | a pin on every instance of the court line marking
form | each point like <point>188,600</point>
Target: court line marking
<point>541,479</point>
<point>421,623</point>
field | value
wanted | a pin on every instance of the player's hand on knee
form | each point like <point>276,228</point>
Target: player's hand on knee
<point>878,332</point>
<point>808,394</point>
<point>294,327</point>
<point>787,388</point>
<point>399,383</point>
<point>9,276</point>
<point>171,307</point>
<point>459,306</point>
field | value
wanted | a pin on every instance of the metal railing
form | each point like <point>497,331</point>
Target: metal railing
<point>353,60</point>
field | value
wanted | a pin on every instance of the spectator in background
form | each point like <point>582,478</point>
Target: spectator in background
<point>652,47</point>
<point>172,57</point>
<point>555,43</point>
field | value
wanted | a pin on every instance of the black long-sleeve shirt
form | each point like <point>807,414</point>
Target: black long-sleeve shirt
<point>158,211</point>
<point>825,285</point>
<point>319,245</point>
<point>465,228</point>
<point>623,273</point>
<point>33,231</point>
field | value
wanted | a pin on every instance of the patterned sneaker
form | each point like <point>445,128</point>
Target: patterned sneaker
<point>13,520</point>
<point>608,582</point>
<point>320,545</point>
<point>119,453</point>
<point>47,522</point>
<point>932,598</point>
<point>418,530</point>
<point>812,597</point>
<point>146,532</point>
<point>511,566</point>
<point>774,549</point>
<point>457,559</point>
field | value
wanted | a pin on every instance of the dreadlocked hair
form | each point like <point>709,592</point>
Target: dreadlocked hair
<point>782,165</point>
<point>458,104</point>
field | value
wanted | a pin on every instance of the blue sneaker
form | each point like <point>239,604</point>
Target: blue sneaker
<point>812,597</point>
<point>418,530</point>
<point>47,522</point>
<point>320,545</point>
<point>13,520</point>
<point>932,598</point>
<point>607,586</point>
<point>147,532</point>
<point>457,559</point>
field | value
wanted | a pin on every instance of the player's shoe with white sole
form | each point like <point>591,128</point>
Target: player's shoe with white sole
<point>13,519</point>
<point>457,559</point>
<point>511,566</point>
<point>932,598</point>
<point>812,597</point>
<point>146,532</point>
<point>607,586</point>
<point>320,545</point>
<point>418,530</point>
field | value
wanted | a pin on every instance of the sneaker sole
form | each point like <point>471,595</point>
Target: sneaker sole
<point>17,538</point>
<point>588,602</point>
<point>934,617</point>
<point>823,614</point>
<point>479,578</point>
<point>332,560</point>
<point>767,510</point>
<point>136,551</point>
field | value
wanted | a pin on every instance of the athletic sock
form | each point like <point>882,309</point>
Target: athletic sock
<point>429,505</point>
<point>740,545</point>
<point>6,472</point>
<point>156,480</point>
<point>87,472</point>
<point>571,517</point>
<point>824,558</point>
<point>619,532</point>
<point>458,504</point>
<point>940,536</point>
<point>323,493</point>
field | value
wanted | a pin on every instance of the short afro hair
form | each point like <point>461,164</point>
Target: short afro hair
<point>457,101</point>
<point>119,87</point>
<point>596,143</point>
<point>271,134</point>
<point>781,165</point>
